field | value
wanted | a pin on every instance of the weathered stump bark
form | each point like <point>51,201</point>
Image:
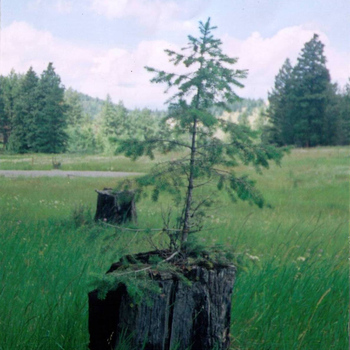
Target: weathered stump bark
<point>190,316</point>
<point>115,207</point>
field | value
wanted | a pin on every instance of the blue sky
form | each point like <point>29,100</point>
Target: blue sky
<point>101,46</point>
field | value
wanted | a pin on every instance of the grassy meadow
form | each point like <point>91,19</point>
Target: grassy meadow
<point>293,275</point>
<point>76,162</point>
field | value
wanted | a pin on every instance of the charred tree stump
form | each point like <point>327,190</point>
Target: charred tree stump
<point>183,316</point>
<point>115,207</point>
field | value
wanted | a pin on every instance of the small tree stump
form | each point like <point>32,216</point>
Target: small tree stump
<point>115,207</point>
<point>195,316</point>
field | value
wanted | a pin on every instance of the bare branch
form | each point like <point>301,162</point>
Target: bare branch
<point>199,205</point>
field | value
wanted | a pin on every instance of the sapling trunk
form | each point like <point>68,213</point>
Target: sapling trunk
<point>186,225</point>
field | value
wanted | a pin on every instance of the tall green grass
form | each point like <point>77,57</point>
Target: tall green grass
<point>292,286</point>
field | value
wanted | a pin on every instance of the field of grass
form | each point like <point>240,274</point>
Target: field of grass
<point>75,162</point>
<point>291,290</point>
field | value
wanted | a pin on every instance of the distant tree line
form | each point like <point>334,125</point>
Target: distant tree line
<point>32,112</point>
<point>37,114</point>
<point>305,108</point>
<point>98,126</point>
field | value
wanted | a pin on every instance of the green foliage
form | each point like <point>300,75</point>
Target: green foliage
<point>209,257</point>
<point>190,124</point>
<point>33,117</point>
<point>338,116</point>
<point>141,123</point>
<point>113,123</point>
<point>39,115</point>
<point>138,285</point>
<point>281,130</point>
<point>91,107</point>
<point>3,116</point>
<point>312,80</point>
<point>51,136</point>
<point>24,123</point>
<point>121,128</point>
<point>82,129</point>
<point>74,109</point>
<point>113,118</point>
<point>245,104</point>
<point>9,87</point>
<point>82,139</point>
<point>305,109</point>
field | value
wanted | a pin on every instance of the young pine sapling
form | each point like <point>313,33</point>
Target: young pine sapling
<point>205,84</point>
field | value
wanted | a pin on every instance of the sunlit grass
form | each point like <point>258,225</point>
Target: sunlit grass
<point>292,285</point>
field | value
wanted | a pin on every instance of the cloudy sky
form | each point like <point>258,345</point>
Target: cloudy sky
<point>101,46</point>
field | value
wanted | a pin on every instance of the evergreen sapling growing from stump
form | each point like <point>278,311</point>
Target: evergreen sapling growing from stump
<point>193,307</point>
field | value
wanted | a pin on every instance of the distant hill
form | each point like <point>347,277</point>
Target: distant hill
<point>92,106</point>
<point>245,111</point>
<point>248,105</point>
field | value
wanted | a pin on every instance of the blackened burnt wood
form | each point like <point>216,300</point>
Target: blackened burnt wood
<point>115,207</point>
<point>183,316</point>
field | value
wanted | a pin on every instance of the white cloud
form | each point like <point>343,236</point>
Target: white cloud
<point>24,46</point>
<point>339,65</point>
<point>115,71</point>
<point>265,56</point>
<point>121,72</point>
<point>160,14</point>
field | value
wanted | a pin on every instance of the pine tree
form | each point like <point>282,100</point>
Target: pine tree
<point>113,117</point>
<point>300,111</point>
<point>25,114</point>
<point>27,109</point>
<point>281,128</point>
<point>74,112</point>
<point>113,120</point>
<point>82,139</point>
<point>140,123</point>
<point>192,126</point>
<point>332,117</point>
<point>51,136</point>
<point>343,111</point>
<point>3,117</point>
<point>80,131</point>
<point>109,122</point>
<point>9,90</point>
<point>311,87</point>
